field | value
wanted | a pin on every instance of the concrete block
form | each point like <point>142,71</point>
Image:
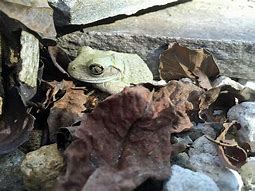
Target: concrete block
<point>226,28</point>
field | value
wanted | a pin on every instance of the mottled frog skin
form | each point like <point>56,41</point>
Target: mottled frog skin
<point>109,71</point>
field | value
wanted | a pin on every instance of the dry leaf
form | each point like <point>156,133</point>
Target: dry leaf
<point>206,100</point>
<point>126,138</point>
<point>184,97</point>
<point>59,58</point>
<point>123,138</point>
<point>15,123</point>
<point>68,109</point>
<point>180,62</point>
<point>232,154</point>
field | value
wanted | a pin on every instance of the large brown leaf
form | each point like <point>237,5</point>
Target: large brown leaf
<point>15,123</point>
<point>36,15</point>
<point>126,138</point>
<point>179,62</point>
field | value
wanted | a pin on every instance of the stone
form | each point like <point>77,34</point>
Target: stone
<point>29,61</point>
<point>34,141</point>
<point>225,28</point>
<point>181,159</point>
<point>201,129</point>
<point>183,139</point>
<point>248,174</point>
<point>204,159</point>
<point>10,176</point>
<point>244,113</point>
<point>186,180</point>
<point>29,56</point>
<point>41,167</point>
<point>241,92</point>
<point>247,83</point>
<point>77,12</point>
<point>224,80</point>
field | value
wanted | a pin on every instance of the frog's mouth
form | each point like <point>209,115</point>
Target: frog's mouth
<point>97,74</point>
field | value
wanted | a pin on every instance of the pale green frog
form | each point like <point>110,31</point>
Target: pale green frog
<point>109,71</point>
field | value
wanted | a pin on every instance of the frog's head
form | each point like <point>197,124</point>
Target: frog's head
<point>94,68</point>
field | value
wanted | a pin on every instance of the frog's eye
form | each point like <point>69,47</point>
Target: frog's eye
<point>96,69</point>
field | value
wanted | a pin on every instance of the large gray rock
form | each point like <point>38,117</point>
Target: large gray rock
<point>204,159</point>
<point>10,174</point>
<point>78,12</point>
<point>225,28</point>
<point>244,113</point>
<point>186,180</point>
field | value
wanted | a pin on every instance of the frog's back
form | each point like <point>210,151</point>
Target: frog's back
<point>135,69</point>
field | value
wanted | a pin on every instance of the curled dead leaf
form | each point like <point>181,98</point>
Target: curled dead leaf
<point>68,109</point>
<point>15,123</point>
<point>180,62</point>
<point>59,58</point>
<point>229,150</point>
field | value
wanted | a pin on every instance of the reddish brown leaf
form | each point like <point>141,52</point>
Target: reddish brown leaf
<point>233,156</point>
<point>116,128</point>
<point>179,62</point>
<point>126,138</point>
<point>184,97</point>
<point>15,123</point>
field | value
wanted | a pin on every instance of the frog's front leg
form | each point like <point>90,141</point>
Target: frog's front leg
<point>112,87</point>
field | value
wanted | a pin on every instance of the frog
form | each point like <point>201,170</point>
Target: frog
<point>108,70</point>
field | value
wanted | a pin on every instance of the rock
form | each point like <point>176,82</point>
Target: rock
<point>78,12</point>
<point>10,176</point>
<point>29,56</point>
<point>204,158</point>
<point>224,28</point>
<point>224,80</point>
<point>34,141</point>
<point>183,139</point>
<point>186,180</point>
<point>201,129</point>
<point>181,159</point>
<point>240,92</point>
<point>244,113</point>
<point>247,83</point>
<point>248,175</point>
<point>41,167</point>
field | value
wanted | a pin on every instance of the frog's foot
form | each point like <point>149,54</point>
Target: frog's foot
<point>112,87</point>
<point>158,83</point>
